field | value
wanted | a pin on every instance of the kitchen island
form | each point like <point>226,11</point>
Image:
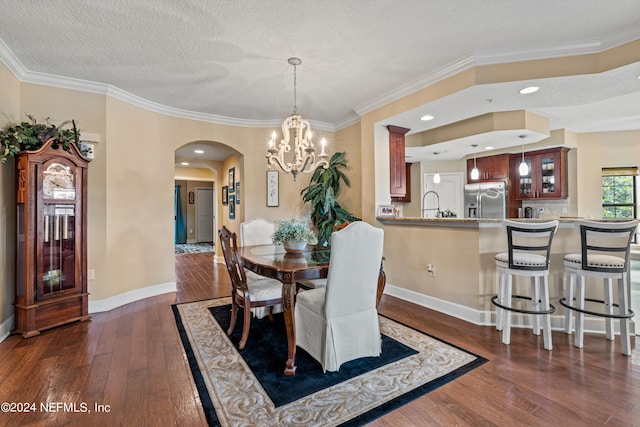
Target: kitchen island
<point>462,277</point>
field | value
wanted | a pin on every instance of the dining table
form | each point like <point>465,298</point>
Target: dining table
<point>275,262</point>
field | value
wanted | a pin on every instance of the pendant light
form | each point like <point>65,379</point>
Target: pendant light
<point>475,173</point>
<point>436,177</point>
<point>524,167</point>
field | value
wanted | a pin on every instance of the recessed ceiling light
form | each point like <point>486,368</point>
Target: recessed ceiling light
<point>185,163</point>
<point>488,147</point>
<point>426,118</point>
<point>198,151</point>
<point>529,89</point>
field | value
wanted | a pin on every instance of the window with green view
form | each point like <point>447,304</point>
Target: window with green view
<point>618,196</point>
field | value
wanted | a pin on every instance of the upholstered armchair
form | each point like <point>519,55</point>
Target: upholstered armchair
<point>339,322</point>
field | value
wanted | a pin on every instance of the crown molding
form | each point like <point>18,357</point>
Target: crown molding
<point>11,61</point>
<point>420,83</point>
<point>501,57</point>
<point>26,76</point>
<point>347,121</point>
<point>479,58</point>
<point>496,57</point>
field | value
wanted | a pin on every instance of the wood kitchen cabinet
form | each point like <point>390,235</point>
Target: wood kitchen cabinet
<point>547,177</point>
<point>397,166</point>
<point>407,197</point>
<point>491,168</point>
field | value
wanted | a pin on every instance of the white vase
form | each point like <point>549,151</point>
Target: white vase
<point>294,246</point>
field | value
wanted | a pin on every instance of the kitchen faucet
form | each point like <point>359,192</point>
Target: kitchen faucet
<point>437,209</point>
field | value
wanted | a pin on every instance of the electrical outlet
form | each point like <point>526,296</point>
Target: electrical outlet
<point>541,210</point>
<point>431,269</point>
<point>91,274</point>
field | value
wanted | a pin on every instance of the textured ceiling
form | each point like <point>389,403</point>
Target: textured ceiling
<point>228,58</point>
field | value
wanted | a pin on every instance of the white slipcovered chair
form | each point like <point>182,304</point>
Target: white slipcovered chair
<point>258,231</point>
<point>339,322</point>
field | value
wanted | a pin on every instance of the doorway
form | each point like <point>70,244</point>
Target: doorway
<point>447,195</point>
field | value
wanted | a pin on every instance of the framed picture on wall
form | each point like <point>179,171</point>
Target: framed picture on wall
<point>232,180</point>
<point>237,193</point>
<point>232,207</point>
<point>225,195</point>
<point>272,188</point>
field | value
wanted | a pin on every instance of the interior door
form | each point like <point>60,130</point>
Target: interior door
<point>449,191</point>
<point>204,215</point>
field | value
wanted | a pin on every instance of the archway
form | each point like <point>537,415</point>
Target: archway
<point>198,177</point>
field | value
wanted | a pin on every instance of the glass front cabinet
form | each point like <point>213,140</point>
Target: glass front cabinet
<point>547,177</point>
<point>51,256</point>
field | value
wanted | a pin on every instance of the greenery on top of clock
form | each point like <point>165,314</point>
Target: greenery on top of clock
<point>31,136</point>
<point>292,229</point>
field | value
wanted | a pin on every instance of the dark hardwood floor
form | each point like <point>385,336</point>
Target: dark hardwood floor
<point>130,360</point>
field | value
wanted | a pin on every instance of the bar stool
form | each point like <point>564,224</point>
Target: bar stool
<point>529,247</point>
<point>599,241</point>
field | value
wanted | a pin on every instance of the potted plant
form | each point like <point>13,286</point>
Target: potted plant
<point>32,135</point>
<point>322,193</point>
<point>294,235</point>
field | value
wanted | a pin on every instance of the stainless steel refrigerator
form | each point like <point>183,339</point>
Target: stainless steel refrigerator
<point>486,200</point>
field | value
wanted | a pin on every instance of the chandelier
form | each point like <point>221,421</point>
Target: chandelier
<point>294,127</point>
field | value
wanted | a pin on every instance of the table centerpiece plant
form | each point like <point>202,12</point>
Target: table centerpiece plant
<point>293,234</point>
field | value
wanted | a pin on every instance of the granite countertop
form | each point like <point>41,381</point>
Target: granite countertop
<point>472,221</point>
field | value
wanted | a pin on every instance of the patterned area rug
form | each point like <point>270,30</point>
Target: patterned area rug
<point>190,248</point>
<point>248,387</point>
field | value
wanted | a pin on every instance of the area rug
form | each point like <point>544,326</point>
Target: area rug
<point>190,248</point>
<point>248,387</point>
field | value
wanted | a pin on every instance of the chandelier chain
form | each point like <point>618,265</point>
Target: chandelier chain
<point>295,89</point>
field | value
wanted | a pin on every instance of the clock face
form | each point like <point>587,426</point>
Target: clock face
<point>58,182</point>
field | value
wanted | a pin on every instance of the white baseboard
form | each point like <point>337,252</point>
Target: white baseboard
<point>110,303</point>
<point>6,327</point>
<point>449,308</point>
<point>488,318</point>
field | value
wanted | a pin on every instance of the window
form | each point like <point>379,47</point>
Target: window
<point>619,193</point>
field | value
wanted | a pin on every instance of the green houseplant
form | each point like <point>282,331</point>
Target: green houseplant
<point>322,193</point>
<point>31,136</point>
<point>293,234</point>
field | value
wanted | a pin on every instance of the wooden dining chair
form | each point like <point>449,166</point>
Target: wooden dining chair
<point>264,292</point>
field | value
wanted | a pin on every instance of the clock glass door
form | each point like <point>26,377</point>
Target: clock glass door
<point>58,255</point>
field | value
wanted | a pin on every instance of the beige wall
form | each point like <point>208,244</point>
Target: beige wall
<point>9,112</point>
<point>132,176</point>
<point>597,151</point>
<point>593,152</point>
<point>131,182</point>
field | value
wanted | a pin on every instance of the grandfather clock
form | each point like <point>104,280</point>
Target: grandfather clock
<point>51,252</point>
